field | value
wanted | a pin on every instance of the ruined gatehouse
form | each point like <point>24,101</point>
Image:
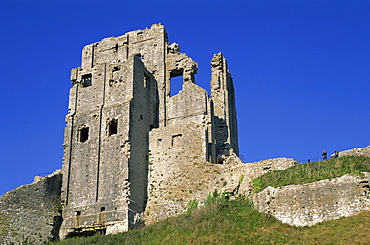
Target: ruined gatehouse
<point>122,120</point>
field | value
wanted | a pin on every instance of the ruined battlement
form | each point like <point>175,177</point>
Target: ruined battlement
<point>133,153</point>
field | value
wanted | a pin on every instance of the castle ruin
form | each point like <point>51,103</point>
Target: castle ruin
<point>135,154</point>
<point>122,118</point>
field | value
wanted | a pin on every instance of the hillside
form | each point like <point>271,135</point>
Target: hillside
<point>236,221</point>
<point>315,171</point>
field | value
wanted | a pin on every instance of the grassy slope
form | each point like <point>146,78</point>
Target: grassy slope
<point>236,221</point>
<point>311,172</point>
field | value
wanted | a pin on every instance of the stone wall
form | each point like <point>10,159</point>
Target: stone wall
<point>32,213</point>
<point>121,111</point>
<point>172,186</point>
<point>356,152</point>
<point>311,203</point>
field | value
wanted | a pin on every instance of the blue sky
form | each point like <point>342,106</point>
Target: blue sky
<point>301,71</point>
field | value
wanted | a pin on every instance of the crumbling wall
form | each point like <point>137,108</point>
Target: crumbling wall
<point>190,105</point>
<point>31,214</point>
<point>311,203</point>
<point>175,179</point>
<point>223,107</point>
<point>356,152</point>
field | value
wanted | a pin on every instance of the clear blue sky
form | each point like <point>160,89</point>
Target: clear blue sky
<point>301,71</point>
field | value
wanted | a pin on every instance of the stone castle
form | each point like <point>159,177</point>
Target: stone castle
<point>134,154</point>
<point>121,112</point>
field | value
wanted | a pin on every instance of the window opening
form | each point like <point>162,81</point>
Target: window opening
<point>101,215</point>
<point>86,80</point>
<point>84,134</point>
<point>176,139</point>
<point>115,48</point>
<point>146,80</point>
<point>113,127</point>
<point>78,218</point>
<point>176,81</point>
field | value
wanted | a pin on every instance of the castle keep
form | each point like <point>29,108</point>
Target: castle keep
<point>122,119</point>
<point>135,153</point>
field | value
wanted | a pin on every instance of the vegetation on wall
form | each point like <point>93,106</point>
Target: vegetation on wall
<point>236,222</point>
<point>311,172</point>
<point>222,221</point>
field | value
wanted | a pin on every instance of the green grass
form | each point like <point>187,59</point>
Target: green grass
<point>311,172</point>
<point>237,222</point>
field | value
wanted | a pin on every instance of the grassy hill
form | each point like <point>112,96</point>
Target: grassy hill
<point>224,221</point>
<point>315,171</point>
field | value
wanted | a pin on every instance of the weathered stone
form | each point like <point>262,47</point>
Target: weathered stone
<point>31,214</point>
<point>171,186</point>
<point>311,203</point>
<point>133,154</point>
<point>122,119</point>
<point>356,152</point>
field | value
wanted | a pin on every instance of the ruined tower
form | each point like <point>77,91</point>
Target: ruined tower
<point>121,111</point>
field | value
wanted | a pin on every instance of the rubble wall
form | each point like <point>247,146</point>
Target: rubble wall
<point>309,204</point>
<point>31,214</point>
<point>174,180</point>
<point>356,152</point>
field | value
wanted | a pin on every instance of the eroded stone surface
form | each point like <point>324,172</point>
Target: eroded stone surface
<point>172,186</point>
<point>31,214</point>
<point>133,154</point>
<point>311,203</point>
<point>123,122</point>
<point>356,152</point>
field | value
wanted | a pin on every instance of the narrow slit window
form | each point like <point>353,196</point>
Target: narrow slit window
<point>146,81</point>
<point>78,218</point>
<point>84,134</point>
<point>86,80</point>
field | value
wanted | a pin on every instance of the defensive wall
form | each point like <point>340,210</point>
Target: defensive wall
<point>134,154</point>
<point>309,204</point>
<point>32,213</point>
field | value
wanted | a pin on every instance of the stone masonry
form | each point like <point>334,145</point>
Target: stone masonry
<point>309,204</point>
<point>121,114</point>
<point>31,214</point>
<point>171,186</point>
<point>133,154</point>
